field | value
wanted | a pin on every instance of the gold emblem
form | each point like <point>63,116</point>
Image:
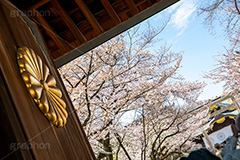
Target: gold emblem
<point>42,86</point>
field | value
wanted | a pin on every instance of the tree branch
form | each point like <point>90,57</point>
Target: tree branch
<point>236,6</point>
<point>120,143</point>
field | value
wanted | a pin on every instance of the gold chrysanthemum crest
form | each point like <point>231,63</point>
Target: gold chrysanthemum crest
<point>42,86</point>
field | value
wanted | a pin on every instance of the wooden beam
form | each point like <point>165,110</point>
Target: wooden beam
<point>208,139</point>
<point>38,4</point>
<point>131,5</point>
<point>115,18</point>
<point>235,104</point>
<point>222,110</point>
<point>149,3</point>
<point>68,21</point>
<point>92,20</point>
<point>51,32</point>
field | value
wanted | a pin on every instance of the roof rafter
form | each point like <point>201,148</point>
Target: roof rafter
<point>115,18</point>
<point>51,32</point>
<point>68,21</point>
<point>92,20</point>
<point>38,4</point>
<point>131,5</point>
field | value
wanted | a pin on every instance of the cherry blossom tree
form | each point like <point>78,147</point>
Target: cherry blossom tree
<point>225,13</point>
<point>164,126</point>
<point>227,70</point>
<point>123,75</point>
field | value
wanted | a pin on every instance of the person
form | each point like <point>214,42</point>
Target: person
<point>229,151</point>
<point>218,150</point>
<point>201,154</point>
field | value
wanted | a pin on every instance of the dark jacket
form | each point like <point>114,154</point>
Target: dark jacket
<point>201,154</point>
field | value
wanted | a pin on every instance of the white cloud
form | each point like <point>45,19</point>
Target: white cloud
<point>173,7</point>
<point>158,17</point>
<point>183,12</point>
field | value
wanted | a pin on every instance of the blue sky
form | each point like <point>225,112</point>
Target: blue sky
<point>186,32</point>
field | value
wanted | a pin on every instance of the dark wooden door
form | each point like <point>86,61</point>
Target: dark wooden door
<point>25,132</point>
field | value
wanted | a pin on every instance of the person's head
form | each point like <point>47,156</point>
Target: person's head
<point>217,146</point>
<point>201,154</point>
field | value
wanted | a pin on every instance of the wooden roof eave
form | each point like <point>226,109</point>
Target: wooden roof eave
<point>113,32</point>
